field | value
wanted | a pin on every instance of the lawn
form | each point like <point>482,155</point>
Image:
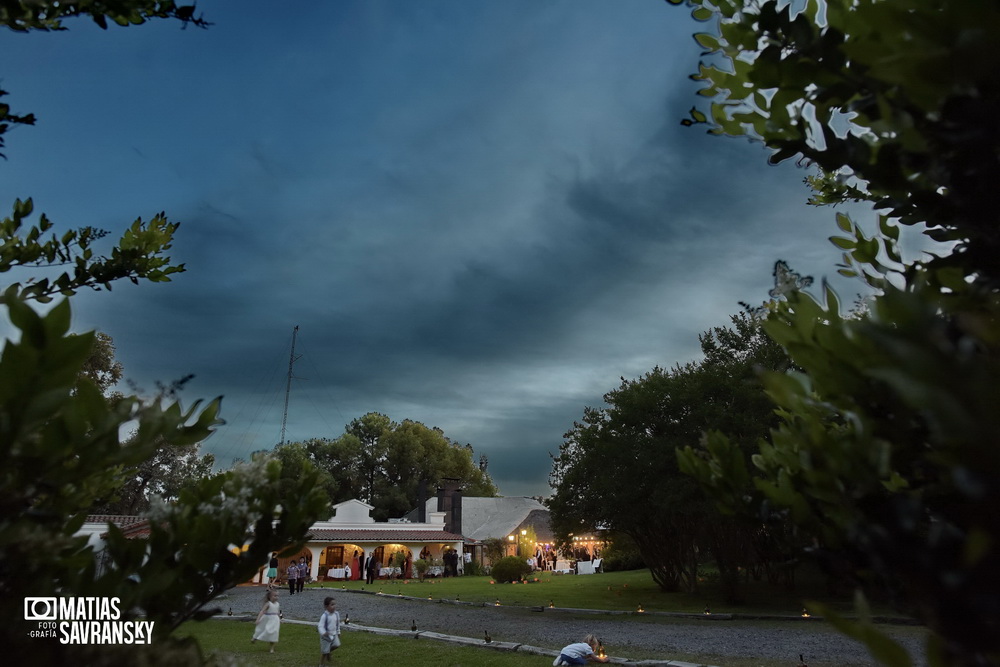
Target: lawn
<point>623,591</point>
<point>299,645</point>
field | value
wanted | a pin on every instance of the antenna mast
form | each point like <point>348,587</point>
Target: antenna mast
<point>288,388</point>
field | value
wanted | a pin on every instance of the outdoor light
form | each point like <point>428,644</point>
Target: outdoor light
<point>641,610</point>
<point>707,610</point>
<point>498,602</point>
<point>805,613</point>
<point>551,606</point>
<point>524,531</point>
<point>510,537</point>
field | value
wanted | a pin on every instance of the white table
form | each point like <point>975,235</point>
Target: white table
<point>337,573</point>
<point>584,567</point>
<point>386,571</point>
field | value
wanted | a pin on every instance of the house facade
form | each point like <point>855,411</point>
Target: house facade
<point>351,536</point>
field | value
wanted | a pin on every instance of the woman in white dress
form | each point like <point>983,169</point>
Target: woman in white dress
<point>268,620</point>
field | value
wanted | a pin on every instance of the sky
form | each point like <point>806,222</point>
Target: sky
<point>481,215</point>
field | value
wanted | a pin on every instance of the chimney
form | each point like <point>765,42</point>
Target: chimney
<point>422,501</point>
<point>456,512</point>
<point>446,495</point>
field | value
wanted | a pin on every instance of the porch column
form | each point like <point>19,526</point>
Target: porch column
<point>316,550</point>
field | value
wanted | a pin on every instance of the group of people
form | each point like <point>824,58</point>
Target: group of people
<point>268,628</point>
<point>268,625</point>
<point>297,575</point>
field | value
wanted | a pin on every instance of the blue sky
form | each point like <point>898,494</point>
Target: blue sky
<point>480,214</point>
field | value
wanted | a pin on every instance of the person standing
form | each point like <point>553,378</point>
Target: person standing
<point>373,568</point>
<point>356,564</point>
<point>303,574</point>
<point>268,620</point>
<point>272,569</point>
<point>329,630</point>
<point>293,577</point>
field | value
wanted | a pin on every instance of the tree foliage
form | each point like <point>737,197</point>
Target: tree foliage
<point>138,254</point>
<point>101,367</point>
<point>899,97</point>
<point>618,468</point>
<point>63,448</point>
<point>887,445</point>
<point>382,462</point>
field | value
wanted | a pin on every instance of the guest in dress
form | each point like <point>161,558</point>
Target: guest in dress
<point>272,569</point>
<point>356,565</point>
<point>268,621</point>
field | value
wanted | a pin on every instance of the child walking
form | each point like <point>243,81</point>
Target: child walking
<point>329,630</point>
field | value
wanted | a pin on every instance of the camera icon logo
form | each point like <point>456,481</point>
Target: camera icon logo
<point>40,609</point>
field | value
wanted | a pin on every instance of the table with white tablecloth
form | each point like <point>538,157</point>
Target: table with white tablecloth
<point>563,567</point>
<point>387,571</point>
<point>337,573</point>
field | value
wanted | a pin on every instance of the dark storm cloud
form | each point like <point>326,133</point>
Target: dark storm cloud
<point>480,215</point>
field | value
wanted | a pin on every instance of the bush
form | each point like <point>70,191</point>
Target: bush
<point>622,554</point>
<point>510,568</point>
<point>474,569</point>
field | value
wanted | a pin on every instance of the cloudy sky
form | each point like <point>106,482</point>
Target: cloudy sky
<point>480,214</point>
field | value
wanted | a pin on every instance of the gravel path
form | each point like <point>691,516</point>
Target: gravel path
<point>776,643</point>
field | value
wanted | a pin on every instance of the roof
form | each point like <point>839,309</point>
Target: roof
<point>539,521</point>
<point>483,518</point>
<point>131,526</point>
<point>119,520</point>
<point>383,536</point>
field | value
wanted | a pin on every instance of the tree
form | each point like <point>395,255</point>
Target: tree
<point>62,447</point>
<point>894,101</point>
<point>101,367</point>
<point>382,462</point>
<point>370,429</point>
<point>887,446</point>
<point>164,474</point>
<point>618,466</point>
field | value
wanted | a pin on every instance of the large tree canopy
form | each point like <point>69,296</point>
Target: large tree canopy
<point>382,462</point>
<point>888,444</point>
<point>618,468</point>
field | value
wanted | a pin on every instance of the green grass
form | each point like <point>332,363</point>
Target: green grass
<point>622,591</point>
<point>299,645</point>
<point>229,642</point>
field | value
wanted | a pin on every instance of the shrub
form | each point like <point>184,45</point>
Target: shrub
<point>622,554</point>
<point>474,569</point>
<point>510,568</point>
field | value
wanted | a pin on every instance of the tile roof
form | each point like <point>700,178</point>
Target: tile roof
<point>119,520</point>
